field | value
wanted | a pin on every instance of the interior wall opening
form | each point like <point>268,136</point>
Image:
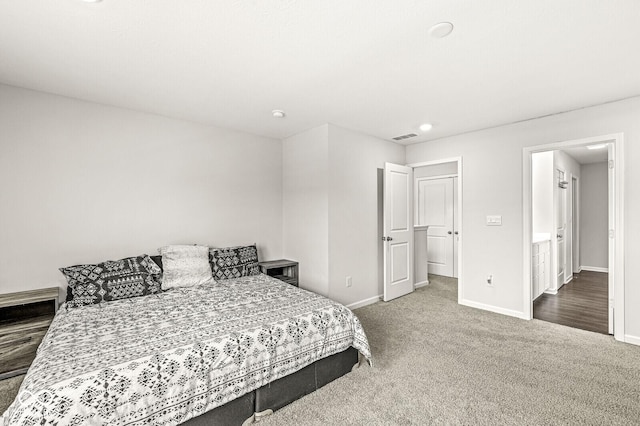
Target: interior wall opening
<point>571,201</point>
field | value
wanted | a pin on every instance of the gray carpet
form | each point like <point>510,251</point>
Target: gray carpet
<point>437,362</point>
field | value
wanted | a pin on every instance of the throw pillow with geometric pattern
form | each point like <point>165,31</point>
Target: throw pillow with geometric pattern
<point>112,280</point>
<point>234,262</point>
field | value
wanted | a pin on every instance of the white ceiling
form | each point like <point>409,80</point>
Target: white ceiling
<point>367,65</point>
<point>587,156</point>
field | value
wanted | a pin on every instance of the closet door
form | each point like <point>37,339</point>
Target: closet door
<point>437,211</point>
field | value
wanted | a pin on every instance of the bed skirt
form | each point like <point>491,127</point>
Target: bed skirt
<point>275,395</point>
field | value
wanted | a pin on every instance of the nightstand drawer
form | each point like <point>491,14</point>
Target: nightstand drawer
<point>283,269</point>
<point>18,344</point>
<point>24,319</point>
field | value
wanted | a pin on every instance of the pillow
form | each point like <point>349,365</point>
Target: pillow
<point>185,266</point>
<point>112,280</point>
<point>234,262</point>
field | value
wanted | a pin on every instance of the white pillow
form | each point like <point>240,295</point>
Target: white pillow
<point>185,266</point>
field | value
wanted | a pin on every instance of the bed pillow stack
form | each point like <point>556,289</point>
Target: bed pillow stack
<point>234,262</point>
<point>185,266</point>
<point>112,280</point>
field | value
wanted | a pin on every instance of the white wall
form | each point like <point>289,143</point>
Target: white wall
<point>306,206</point>
<point>492,173</point>
<point>442,169</point>
<point>354,160</point>
<point>331,210</point>
<point>594,218</point>
<point>542,192</point>
<point>82,182</point>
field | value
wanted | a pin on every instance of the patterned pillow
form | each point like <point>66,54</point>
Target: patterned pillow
<point>185,266</point>
<point>234,262</point>
<point>112,280</point>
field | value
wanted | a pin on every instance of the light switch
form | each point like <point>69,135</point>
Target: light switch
<point>494,220</point>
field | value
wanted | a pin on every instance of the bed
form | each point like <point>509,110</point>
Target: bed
<point>197,355</point>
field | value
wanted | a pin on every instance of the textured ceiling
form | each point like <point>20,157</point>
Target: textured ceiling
<point>367,65</point>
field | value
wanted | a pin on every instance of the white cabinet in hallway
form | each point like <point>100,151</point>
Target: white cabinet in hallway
<point>540,267</point>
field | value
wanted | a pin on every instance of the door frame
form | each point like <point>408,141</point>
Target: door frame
<point>616,256</point>
<point>458,161</point>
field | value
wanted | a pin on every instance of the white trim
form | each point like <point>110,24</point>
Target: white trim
<point>579,269</point>
<point>365,302</point>
<point>492,308</point>
<point>450,176</point>
<point>594,269</point>
<point>634,340</point>
<point>616,262</point>
<point>568,280</point>
<point>550,292</point>
<point>421,284</point>
<point>434,162</point>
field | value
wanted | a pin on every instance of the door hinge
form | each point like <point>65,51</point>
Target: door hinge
<point>612,234</point>
<point>611,164</point>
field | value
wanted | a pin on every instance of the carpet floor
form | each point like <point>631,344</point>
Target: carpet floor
<point>437,362</point>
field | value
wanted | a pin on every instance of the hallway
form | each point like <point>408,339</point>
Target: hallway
<point>582,303</point>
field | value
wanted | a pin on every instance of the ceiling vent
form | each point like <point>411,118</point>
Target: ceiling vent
<point>403,137</point>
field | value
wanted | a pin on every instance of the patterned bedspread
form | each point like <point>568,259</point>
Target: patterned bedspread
<point>164,358</point>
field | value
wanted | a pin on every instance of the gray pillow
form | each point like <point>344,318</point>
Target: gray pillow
<point>111,280</point>
<point>234,262</point>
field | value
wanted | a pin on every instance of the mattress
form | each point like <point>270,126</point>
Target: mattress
<point>166,358</point>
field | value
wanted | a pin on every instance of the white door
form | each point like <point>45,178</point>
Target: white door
<point>398,231</point>
<point>560,224</point>
<point>437,196</point>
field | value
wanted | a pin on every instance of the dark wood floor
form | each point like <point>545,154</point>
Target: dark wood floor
<point>582,303</point>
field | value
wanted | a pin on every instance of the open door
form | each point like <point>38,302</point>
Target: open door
<point>398,231</point>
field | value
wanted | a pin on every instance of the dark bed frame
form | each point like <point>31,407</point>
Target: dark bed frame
<point>277,394</point>
<point>281,392</point>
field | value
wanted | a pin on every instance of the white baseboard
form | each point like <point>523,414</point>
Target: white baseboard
<point>634,340</point>
<point>594,269</point>
<point>421,284</point>
<point>551,291</point>
<point>579,270</point>
<point>365,302</point>
<point>492,308</point>
<point>569,280</point>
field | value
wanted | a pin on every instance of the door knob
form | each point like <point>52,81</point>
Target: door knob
<point>449,232</point>
<point>456,232</point>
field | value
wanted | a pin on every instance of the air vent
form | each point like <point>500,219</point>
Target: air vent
<point>403,137</point>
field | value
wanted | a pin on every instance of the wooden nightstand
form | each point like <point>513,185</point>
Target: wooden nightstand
<point>282,269</point>
<point>24,319</point>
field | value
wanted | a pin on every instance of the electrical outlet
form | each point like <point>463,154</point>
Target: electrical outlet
<point>490,280</point>
<point>349,281</point>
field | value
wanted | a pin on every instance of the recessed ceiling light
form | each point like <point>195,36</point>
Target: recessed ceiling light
<point>426,127</point>
<point>599,146</point>
<point>441,30</point>
<point>278,113</point>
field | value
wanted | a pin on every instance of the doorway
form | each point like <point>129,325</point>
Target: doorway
<point>570,262</point>
<point>438,217</point>
<point>400,193</point>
